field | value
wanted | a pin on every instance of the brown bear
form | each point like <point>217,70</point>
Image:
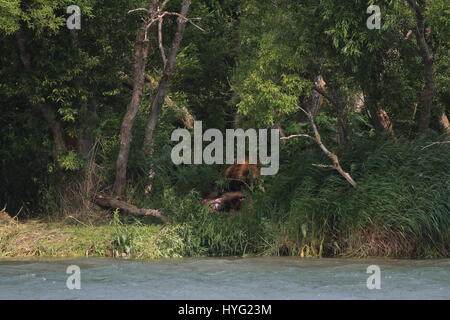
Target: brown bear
<point>239,176</point>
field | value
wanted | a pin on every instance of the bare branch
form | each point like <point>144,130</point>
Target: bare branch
<point>164,4</point>
<point>162,14</point>
<point>199,28</point>
<point>336,165</point>
<point>161,44</point>
<point>322,166</point>
<point>181,111</point>
<point>434,143</point>
<point>139,9</point>
<point>298,135</point>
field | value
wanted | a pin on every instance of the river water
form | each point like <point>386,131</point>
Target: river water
<point>250,278</point>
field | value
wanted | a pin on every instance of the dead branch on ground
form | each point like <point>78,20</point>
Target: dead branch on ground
<point>110,202</point>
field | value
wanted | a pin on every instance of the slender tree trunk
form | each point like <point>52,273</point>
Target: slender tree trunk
<point>87,114</point>
<point>427,96</point>
<point>163,85</point>
<point>343,136</point>
<point>342,131</point>
<point>315,101</point>
<point>88,121</point>
<point>141,47</point>
<point>59,145</point>
<point>429,91</point>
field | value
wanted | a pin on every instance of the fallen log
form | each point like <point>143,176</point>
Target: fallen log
<point>109,202</point>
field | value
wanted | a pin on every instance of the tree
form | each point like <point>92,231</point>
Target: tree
<point>140,55</point>
<point>423,36</point>
<point>168,68</point>
<point>154,16</point>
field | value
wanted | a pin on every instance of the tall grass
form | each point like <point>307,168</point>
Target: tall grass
<point>399,209</point>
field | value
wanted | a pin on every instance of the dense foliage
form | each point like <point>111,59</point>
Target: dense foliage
<point>63,98</point>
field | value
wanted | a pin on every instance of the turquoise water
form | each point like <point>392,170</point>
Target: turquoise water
<point>251,278</point>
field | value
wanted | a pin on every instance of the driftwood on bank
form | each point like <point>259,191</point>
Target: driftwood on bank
<point>109,202</point>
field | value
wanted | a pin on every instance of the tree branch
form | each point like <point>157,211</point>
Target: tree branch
<point>186,117</point>
<point>336,165</point>
<point>163,85</point>
<point>160,41</point>
<point>298,135</point>
<point>434,143</point>
<point>109,202</point>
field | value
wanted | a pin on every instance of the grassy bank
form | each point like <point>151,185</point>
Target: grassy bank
<point>62,239</point>
<point>400,209</point>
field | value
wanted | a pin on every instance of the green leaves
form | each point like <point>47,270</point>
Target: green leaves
<point>9,16</point>
<point>71,161</point>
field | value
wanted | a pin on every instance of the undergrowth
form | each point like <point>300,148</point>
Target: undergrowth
<point>400,208</point>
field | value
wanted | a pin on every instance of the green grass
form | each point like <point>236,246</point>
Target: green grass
<point>400,208</point>
<point>60,239</point>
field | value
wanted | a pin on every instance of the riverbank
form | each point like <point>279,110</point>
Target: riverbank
<point>400,209</point>
<point>67,240</point>
<point>137,241</point>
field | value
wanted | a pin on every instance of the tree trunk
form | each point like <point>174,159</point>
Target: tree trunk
<point>88,120</point>
<point>141,48</point>
<point>315,101</point>
<point>85,139</point>
<point>342,131</point>
<point>427,96</point>
<point>180,111</point>
<point>163,85</point>
<point>429,91</point>
<point>59,145</point>
<point>343,136</point>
